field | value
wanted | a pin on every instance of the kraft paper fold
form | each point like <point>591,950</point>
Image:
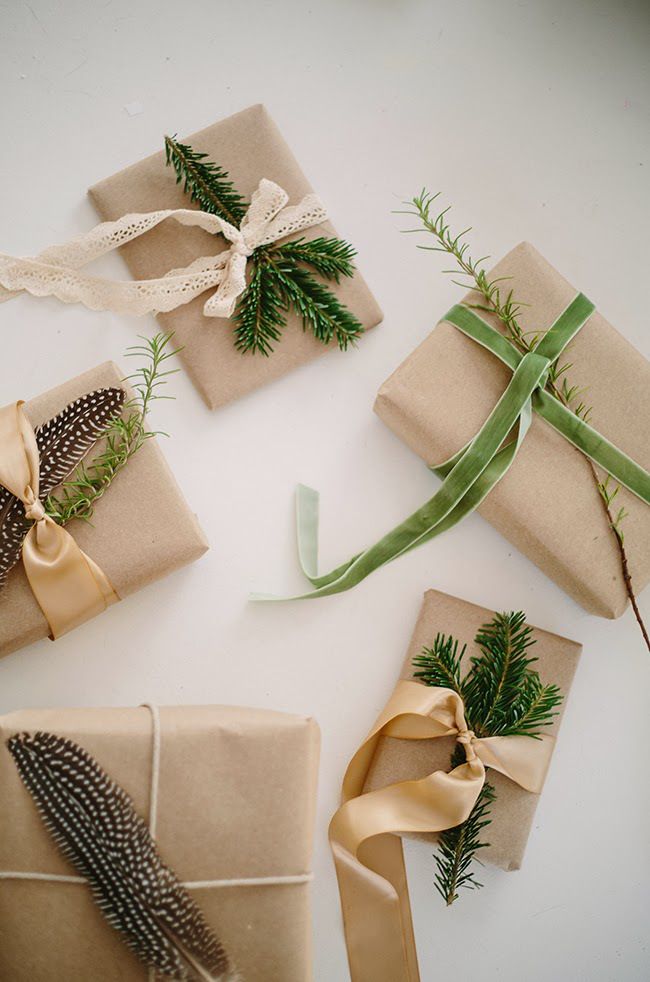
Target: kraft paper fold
<point>400,760</point>
<point>249,146</point>
<point>236,800</point>
<point>141,530</point>
<point>547,505</point>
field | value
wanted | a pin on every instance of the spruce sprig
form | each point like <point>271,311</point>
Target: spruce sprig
<point>503,696</point>
<point>205,182</point>
<point>458,847</point>
<point>281,277</point>
<point>126,434</point>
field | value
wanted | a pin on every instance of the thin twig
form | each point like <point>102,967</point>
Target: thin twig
<point>507,310</point>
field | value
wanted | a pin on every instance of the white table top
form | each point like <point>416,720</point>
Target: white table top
<point>532,118</point>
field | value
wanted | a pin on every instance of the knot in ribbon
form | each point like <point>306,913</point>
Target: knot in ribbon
<point>69,587</point>
<point>467,738</point>
<point>54,271</point>
<point>34,510</point>
<point>369,861</point>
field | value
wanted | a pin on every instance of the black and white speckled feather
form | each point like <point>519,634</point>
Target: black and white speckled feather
<point>94,824</point>
<point>62,443</point>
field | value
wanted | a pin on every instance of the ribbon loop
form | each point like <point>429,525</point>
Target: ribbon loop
<point>68,586</point>
<point>470,475</point>
<point>369,862</point>
<point>54,271</point>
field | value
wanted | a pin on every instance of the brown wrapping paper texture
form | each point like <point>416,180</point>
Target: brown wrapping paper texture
<point>236,800</point>
<point>142,527</point>
<point>401,760</point>
<point>249,146</point>
<point>547,504</point>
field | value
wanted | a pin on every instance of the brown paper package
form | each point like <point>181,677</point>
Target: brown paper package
<point>547,504</point>
<point>141,530</point>
<point>401,760</point>
<point>236,800</point>
<point>249,146</point>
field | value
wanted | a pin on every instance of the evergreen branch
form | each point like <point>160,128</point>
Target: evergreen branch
<point>78,496</point>
<point>332,258</point>
<point>206,182</point>
<point>260,313</point>
<point>503,696</point>
<point>493,685</point>
<point>440,665</point>
<point>319,309</point>
<point>458,847</point>
<point>535,708</point>
<point>504,306</point>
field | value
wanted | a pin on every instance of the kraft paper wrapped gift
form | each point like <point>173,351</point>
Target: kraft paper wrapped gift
<point>547,504</point>
<point>141,530</point>
<point>249,146</point>
<point>236,800</point>
<point>400,760</point>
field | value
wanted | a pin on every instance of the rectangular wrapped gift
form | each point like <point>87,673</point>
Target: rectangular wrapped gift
<point>235,802</point>
<point>399,760</point>
<point>547,504</point>
<point>249,147</point>
<point>141,530</point>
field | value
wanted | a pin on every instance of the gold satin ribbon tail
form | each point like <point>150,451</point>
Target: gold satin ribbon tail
<point>363,833</point>
<point>69,587</point>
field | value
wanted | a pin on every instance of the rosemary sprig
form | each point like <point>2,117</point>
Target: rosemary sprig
<point>126,434</point>
<point>503,696</point>
<point>501,302</point>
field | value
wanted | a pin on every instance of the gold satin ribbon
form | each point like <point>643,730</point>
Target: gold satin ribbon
<point>69,587</point>
<point>369,859</point>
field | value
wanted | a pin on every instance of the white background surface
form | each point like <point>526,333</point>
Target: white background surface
<point>532,118</point>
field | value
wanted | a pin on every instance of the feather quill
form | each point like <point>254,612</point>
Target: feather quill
<point>94,824</point>
<point>62,442</point>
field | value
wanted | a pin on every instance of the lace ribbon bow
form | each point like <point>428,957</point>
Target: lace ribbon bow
<point>369,862</point>
<point>54,271</point>
<point>69,587</point>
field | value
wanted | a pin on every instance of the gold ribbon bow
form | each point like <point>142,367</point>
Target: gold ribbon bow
<point>69,587</point>
<point>369,861</point>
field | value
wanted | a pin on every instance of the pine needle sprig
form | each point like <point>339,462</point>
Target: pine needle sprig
<point>281,276</point>
<point>503,696</point>
<point>502,303</point>
<point>260,312</point>
<point>319,309</point>
<point>127,433</point>
<point>458,848</point>
<point>279,284</point>
<point>440,665</point>
<point>332,257</point>
<point>205,182</point>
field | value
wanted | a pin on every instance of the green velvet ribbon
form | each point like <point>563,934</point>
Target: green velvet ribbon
<point>469,476</point>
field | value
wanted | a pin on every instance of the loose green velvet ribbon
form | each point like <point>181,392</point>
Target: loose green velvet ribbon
<point>469,476</point>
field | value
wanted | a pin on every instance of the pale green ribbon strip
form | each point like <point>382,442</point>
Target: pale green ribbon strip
<point>469,476</point>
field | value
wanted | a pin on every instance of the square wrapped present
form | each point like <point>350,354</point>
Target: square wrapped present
<point>234,816</point>
<point>396,760</point>
<point>249,147</point>
<point>142,527</point>
<point>547,504</point>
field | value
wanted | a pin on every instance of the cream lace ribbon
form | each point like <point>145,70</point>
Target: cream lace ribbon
<point>366,849</point>
<point>249,881</point>
<point>54,272</point>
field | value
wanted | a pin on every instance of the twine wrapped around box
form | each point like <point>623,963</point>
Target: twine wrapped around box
<point>229,793</point>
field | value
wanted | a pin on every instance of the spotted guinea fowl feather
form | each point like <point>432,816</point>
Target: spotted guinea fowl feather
<point>62,443</point>
<point>94,824</point>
